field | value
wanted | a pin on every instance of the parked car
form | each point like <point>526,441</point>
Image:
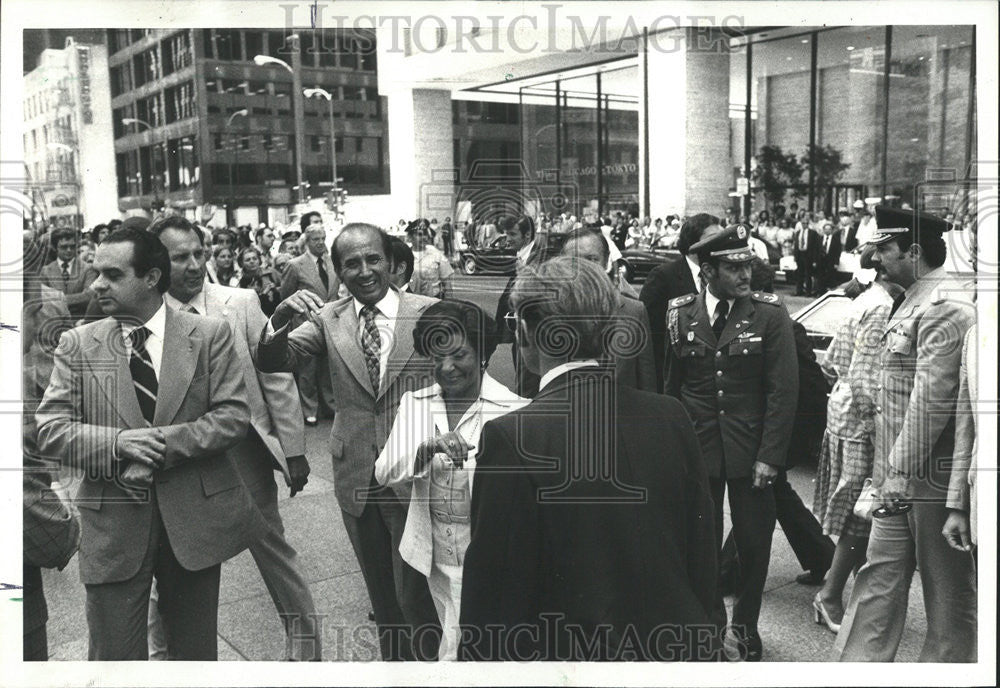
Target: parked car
<point>822,317</point>
<point>497,258</point>
<point>639,262</point>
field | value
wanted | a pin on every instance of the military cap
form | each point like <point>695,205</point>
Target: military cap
<point>730,244</point>
<point>895,222</point>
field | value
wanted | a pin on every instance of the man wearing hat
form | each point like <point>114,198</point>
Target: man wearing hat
<point>914,447</point>
<point>731,360</point>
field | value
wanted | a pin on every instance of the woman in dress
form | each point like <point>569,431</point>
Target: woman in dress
<point>848,450</point>
<point>255,276</point>
<point>431,268</point>
<point>432,447</point>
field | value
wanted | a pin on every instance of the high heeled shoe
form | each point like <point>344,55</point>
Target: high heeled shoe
<point>822,617</point>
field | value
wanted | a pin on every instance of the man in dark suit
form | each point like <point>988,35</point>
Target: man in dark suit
<point>314,271</point>
<point>670,280</point>
<point>806,242</point>
<point>847,229</point>
<point>566,567</point>
<point>276,440</point>
<point>828,259</point>
<point>731,361</point>
<point>159,494</point>
<point>68,273</point>
<point>367,340</point>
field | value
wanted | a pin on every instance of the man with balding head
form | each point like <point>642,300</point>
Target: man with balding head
<point>366,340</point>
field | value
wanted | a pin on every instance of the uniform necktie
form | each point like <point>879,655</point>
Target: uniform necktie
<point>143,375</point>
<point>371,343</point>
<point>323,277</point>
<point>721,309</point>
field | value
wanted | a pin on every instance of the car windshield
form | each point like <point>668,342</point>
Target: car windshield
<point>825,315</point>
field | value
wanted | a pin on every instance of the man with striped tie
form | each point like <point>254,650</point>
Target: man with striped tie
<point>159,495</point>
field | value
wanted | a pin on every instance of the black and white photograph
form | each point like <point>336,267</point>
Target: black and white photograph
<point>524,343</point>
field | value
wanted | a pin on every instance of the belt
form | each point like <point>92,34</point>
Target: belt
<point>445,517</point>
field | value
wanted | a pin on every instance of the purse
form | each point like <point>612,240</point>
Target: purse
<point>867,501</point>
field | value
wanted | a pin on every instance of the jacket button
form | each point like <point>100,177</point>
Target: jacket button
<point>878,409</point>
<point>746,351</point>
<point>718,354</point>
<point>720,392</point>
<point>722,412</point>
<point>718,373</point>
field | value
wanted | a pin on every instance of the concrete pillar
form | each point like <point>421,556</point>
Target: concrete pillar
<point>421,169</point>
<point>686,80</point>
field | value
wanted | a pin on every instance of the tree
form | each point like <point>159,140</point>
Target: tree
<point>776,174</point>
<point>827,163</point>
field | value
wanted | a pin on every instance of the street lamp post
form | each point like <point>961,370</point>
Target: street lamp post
<point>236,157</point>
<point>323,93</point>
<point>153,175</point>
<point>295,69</point>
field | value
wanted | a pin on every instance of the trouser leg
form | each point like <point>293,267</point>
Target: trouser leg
<point>753,516</point>
<point>278,564</point>
<point>305,378</point>
<point>717,487</point>
<point>876,614</point>
<point>157,635</point>
<point>812,548</point>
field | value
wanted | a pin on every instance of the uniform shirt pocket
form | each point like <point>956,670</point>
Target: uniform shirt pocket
<point>693,350</point>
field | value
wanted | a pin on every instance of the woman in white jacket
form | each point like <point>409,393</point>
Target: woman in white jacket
<point>430,452</point>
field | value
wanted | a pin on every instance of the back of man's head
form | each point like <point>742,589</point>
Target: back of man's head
<point>692,229</point>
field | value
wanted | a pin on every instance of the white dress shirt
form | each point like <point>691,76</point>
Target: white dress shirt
<point>711,303</point>
<point>695,271</point>
<point>386,311</point>
<point>564,368</point>
<point>154,342</point>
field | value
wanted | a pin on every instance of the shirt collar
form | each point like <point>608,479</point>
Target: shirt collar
<point>711,302</point>
<point>388,306</point>
<point>564,368</point>
<point>522,253</point>
<point>156,325</point>
<point>199,301</point>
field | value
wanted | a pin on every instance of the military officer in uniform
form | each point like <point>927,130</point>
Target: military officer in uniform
<point>914,447</point>
<point>730,358</point>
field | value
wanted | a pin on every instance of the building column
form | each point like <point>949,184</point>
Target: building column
<point>421,168</point>
<point>684,75</point>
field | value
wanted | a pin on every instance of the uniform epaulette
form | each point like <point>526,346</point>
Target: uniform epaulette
<point>765,297</point>
<point>681,300</point>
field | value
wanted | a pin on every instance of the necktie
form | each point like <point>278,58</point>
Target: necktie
<point>188,308</point>
<point>804,239</point>
<point>721,309</point>
<point>371,344</point>
<point>826,244</point>
<point>65,274</point>
<point>323,277</point>
<point>143,375</point>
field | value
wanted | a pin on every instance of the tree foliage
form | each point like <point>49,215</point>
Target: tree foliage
<point>776,174</point>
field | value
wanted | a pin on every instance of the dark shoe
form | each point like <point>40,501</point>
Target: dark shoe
<point>810,578</point>
<point>750,647</point>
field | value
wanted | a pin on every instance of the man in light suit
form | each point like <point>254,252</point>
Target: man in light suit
<point>68,273</point>
<point>276,439</point>
<point>314,272</point>
<point>367,340</point>
<point>159,494</point>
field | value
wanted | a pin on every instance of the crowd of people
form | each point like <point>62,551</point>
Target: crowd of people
<point>578,516</point>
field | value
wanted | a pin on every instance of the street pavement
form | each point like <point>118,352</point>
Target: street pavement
<point>249,628</point>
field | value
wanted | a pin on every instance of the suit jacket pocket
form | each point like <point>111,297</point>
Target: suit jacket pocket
<point>219,476</point>
<point>90,495</point>
<point>336,448</point>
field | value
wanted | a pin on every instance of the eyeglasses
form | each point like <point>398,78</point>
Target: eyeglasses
<point>510,320</point>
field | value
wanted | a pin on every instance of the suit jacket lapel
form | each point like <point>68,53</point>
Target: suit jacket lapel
<point>176,368</point>
<point>114,380</point>
<point>215,302</point>
<point>742,310</point>
<point>344,333</point>
<point>311,273</point>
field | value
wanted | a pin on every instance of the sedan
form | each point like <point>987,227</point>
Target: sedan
<point>639,262</point>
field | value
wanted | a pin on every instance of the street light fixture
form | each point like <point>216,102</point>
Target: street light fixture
<point>295,69</point>
<point>153,177</point>
<point>323,93</point>
<point>236,158</point>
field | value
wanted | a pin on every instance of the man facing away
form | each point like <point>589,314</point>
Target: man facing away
<point>367,342</point>
<point>146,403</point>
<point>276,438</point>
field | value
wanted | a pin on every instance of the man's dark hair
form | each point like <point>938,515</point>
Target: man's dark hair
<point>692,229</point>
<point>446,325</point>
<point>401,253</point>
<point>586,232</point>
<point>523,224</point>
<point>148,252</point>
<point>114,224</point>
<point>761,275</point>
<point>259,233</point>
<point>307,218</point>
<point>355,226</point>
<point>931,244</point>
<point>176,222</point>
<point>61,234</point>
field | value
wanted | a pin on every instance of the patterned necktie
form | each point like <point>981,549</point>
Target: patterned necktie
<point>188,308</point>
<point>371,343</point>
<point>323,277</point>
<point>721,310</point>
<point>143,375</point>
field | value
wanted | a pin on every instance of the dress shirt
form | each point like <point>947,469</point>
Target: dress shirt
<point>385,320</point>
<point>199,302</point>
<point>712,302</point>
<point>695,271</point>
<point>524,252</point>
<point>154,342</point>
<point>564,368</point>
